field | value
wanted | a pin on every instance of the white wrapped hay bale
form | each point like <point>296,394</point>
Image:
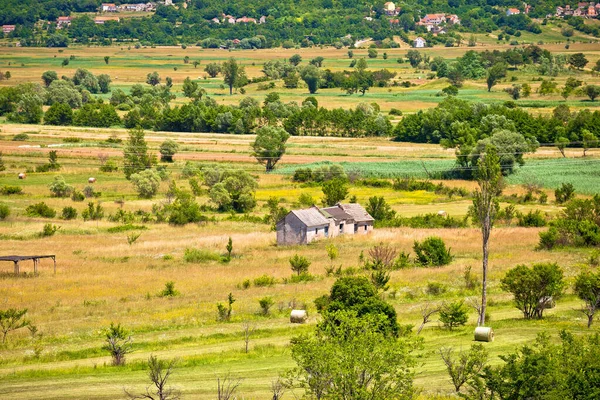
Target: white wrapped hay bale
<point>298,316</point>
<point>91,180</point>
<point>484,334</point>
<point>22,175</point>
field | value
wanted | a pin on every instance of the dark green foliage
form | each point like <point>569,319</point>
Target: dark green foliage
<point>427,221</point>
<point>59,114</point>
<point>96,115</point>
<point>167,150</point>
<point>587,288</point>
<point>169,290</point>
<point>532,219</point>
<point>224,313</point>
<point>533,288</point>
<point>334,191</point>
<point>49,230</point>
<point>93,213</point>
<point>231,189</point>
<point>454,314</point>
<point>4,211</point>
<point>269,145</point>
<point>7,190</point>
<point>432,252</point>
<point>40,210</point>
<point>265,305</point>
<point>379,209</point>
<point>118,343</point>
<point>299,264</point>
<point>136,155</point>
<point>564,193</point>
<point>11,320</point>
<point>68,213</point>
<point>578,225</point>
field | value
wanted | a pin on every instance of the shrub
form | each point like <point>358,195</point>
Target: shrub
<point>532,219</point>
<point>395,111</point>
<point>20,137</point>
<point>93,213</point>
<point>265,304</point>
<point>4,211</point>
<point>40,210</point>
<point>299,264</point>
<point>192,255</point>
<point>435,288</point>
<point>10,190</point>
<point>534,287</point>
<point>109,166</point>
<point>454,314</point>
<point>564,193</point>
<point>77,196</point>
<point>432,252</point>
<point>169,290</point>
<point>224,313</point>
<point>69,213</point>
<point>263,281</point>
<point>146,183</point>
<point>49,230</point>
<point>60,188</point>
<point>89,192</point>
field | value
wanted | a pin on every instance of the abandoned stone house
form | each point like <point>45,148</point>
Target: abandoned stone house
<point>304,226</point>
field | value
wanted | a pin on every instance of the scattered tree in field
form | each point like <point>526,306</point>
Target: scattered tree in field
<point>118,343</point>
<point>348,355</point>
<point>350,54</point>
<point>335,190</point>
<point>578,60</point>
<point>191,89</point>
<point>534,288</point>
<point>60,188</point>
<point>414,58</point>
<point>466,367</point>
<point>159,373</point>
<point>589,141</point>
<point>454,314</point>
<point>11,320</point>
<point>104,83</point>
<point>146,182</point>
<point>277,389</point>
<point>299,264</point>
<point>317,61</point>
<point>2,165</point>
<point>135,153</point>
<point>562,143</point>
<point>372,53</point>
<point>564,193</point>
<point>196,63</point>
<point>379,209</point>
<point>59,114</point>
<point>269,145</point>
<point>587,288</point>
<point>65,62</point>
<point>234,74</point>
<point>514,91</point>
<point>231,189</point>
<point>427,311</point>
<point>48,77</point>
<point>312,76</point>
<point>295,59</point>
<point>106,59</point>
<point>494,74</point>
<point>485,206</point>
<point>167,150</point>
<point>212,69</point>
<point>432,252</point>
<point>229,248</point>
<point>265,305</point>
<point>224,313</point>
<point>153,78</point>
<point>592,91</point>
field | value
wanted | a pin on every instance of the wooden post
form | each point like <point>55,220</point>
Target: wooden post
<point>54,258</point>
<point>16,267</point>
<point>35,265</point>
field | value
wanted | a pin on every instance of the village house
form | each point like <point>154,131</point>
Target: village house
<point>245,20</point>
<point>108,7</point>
<point>390,9</point>
<point>513,11</point>
<point>6,29</point>
<point>139,7</point>
<point>419,43</point>
<point>305,226</point>
<point>63,21</point>
<point>102,20</point>
<point>215,20</point>
<point>434,19</point>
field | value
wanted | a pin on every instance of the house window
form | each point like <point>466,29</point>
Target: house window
<point>317,231</point>
<point>341,228</point>
<point>326,231</point>
<point>355,228</point>
<point>366,228</point>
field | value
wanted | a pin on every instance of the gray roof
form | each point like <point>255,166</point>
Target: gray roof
<point>311,217</point>
<point>357,212</point>
<point>337,214</point>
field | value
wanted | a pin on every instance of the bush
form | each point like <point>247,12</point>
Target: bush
<point>299,264</point>
<point>77,196</point>
<point>435,288</point>
<point>264,281</point>
<point>395,111</point>
<point>49,230</point>
<point>60,188</point>
<point>69,213</point>
<point>20,137</point>
<point>146,183</point>
<point>564,193</point>
<point>4,211</point>
<point>265,304</point>
<point>93,213</point>
<point>192,255</point>
<point>10,190</point>
<point>169,290</point>
<point>532,219</point>
<point>454,314</point>
<point>40,210</point>
<point>109,166</point>
<point>432,252</point>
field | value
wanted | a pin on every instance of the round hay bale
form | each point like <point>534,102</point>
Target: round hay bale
<point>91,180</point>
<point>442,213</point>
<point>484,334</point>
<point>22,175</point>
<point>298,316</point>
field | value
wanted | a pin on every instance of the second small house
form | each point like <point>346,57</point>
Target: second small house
<point>304,226</point>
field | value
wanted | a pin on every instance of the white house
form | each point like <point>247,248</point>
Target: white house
<point>513,11</point>
<point>419,42</point>
<point>108,7</point>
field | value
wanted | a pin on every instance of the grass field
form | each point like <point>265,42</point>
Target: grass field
<point>102,279</point>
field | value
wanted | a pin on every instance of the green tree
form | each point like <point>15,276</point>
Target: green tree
<point>135,154</point>
<point>295,59</point>
<point>231,189</point>
<point>269,145</point>
<point>48,77</point>
<point>379,209</point>
<point>335,190</point>
<point>589,141</point>
<point>212,69</point>
<point>562,143</point>
<point>432,252</point>
<point>485,206</point>
<point>146,182</point>
<point>534,287</point>
<point>60,188</point>
<point>592,91</point>
<point>233,74</point>
<point>104,83</point>
<point>349,359</point>
<point>153,78</point>
<point>118,343</point>
<point>514,91</point>
<point>59,114</point>
<point>159,372</point>
<point>578,60</point>
<point>299,264</point>
<point>372,53</point>
<point>495,73</point>
<point>587,288</point>
<point>414,58</point>
<point>190,87</point>
<point>167,150</point>
<point>317,61</point>
<point>106,59</point>
<point>312,76</point>
<point>11,320</point>
<point>454,314</point>
<point>466,367</point>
